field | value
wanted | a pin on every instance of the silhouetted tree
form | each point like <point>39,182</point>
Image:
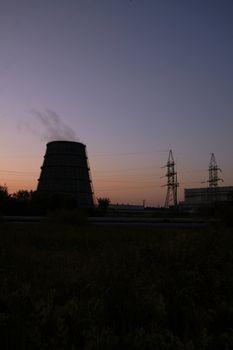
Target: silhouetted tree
<point>23,195</point>
<point>21,203</point>
<point>4,198</point>
<point>103,204</point>
<point>3,192</point>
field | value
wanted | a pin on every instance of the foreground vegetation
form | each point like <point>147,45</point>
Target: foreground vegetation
<point>104,287</point>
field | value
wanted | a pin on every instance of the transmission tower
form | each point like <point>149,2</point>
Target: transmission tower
<point>213,172</point>
<point>172,184</point>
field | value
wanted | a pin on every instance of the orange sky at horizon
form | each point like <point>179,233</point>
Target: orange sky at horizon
<point>122,177</point>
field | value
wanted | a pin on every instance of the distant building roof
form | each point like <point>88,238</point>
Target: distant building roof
<point>207,195</point>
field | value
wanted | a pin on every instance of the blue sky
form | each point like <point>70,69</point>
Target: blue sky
<point>132,79</point>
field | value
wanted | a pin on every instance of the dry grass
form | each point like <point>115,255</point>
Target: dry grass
<point>104,287</point>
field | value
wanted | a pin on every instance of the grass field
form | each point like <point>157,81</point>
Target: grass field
<point>114,287</point>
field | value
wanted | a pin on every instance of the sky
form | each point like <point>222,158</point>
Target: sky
<point>130,79</point>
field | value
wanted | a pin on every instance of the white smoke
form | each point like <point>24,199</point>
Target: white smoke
<point>49,126</point>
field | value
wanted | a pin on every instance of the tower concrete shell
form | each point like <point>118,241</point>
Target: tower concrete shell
<point>65,171</point>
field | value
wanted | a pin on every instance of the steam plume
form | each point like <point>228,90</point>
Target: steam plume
<point>49,126</point>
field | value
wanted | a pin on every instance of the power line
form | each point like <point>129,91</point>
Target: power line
<point>111,154</point>
<point>17,172</point>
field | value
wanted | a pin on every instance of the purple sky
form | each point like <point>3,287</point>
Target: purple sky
<point>130,79</point>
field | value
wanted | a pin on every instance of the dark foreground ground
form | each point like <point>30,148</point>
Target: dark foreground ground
<point>115,287</point>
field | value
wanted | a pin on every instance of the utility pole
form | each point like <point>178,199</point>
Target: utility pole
<point>172,184</point>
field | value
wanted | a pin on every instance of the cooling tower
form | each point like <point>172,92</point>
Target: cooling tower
<point>65,171</point>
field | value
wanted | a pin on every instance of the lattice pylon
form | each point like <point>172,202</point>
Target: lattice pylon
<point>213,172</point>
<point>172,184</point>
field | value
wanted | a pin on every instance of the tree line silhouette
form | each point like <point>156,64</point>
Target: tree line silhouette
<point>24,202</point>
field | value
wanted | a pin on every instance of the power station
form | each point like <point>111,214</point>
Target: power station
<point>65,171</point>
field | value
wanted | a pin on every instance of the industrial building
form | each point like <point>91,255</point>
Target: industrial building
<point>65,171</point>
<point>197,197</point>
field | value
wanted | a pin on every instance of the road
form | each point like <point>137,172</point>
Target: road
<point>163,222</point>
